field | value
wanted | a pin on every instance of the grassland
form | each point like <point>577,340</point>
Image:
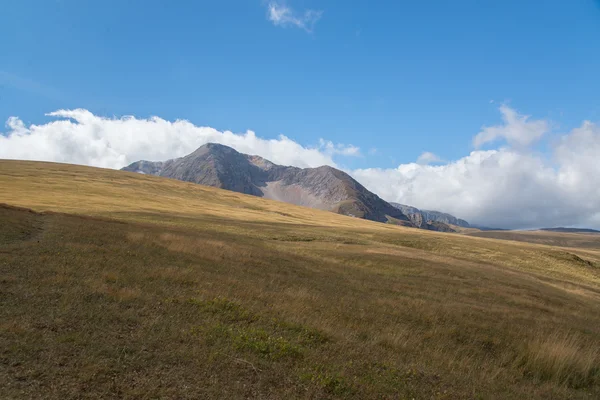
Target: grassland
<point>118,285</point>
<point>560,239</point>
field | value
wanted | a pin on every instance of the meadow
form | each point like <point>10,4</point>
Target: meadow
<point>121,285</point>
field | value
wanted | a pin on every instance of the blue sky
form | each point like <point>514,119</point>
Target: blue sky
<point>488,110</point>
<point>400,76</point>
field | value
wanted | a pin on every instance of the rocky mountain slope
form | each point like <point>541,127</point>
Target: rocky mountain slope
<point>422,218</point>
<point>324,187</point>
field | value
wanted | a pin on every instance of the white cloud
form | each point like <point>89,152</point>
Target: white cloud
<point>517,130</point>
<point>428,158</point>
<point>282,15</point>
<point>329,148</point>
<point>508,187</point>
<point>80,137</point>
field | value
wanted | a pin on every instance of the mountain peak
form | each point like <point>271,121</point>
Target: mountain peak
<point>323,187</point>
<point>213,148</point>
<point>216,146</point>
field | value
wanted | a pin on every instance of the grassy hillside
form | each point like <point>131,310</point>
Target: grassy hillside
<point>118,285</point>
<point>562,239</point>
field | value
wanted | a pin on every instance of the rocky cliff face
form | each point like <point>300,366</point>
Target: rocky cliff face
<point>324,187</point>
<point>422,217</point>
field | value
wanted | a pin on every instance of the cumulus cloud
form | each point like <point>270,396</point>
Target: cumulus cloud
<point>80,137</point>
<point>282,15</point>
<point>428,158</point>
<point>518,130</point>
<point>507,187</point>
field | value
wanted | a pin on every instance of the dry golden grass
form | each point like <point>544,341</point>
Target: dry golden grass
<point>573,240</point>
<point>152,288</point>
<point>562,358</point>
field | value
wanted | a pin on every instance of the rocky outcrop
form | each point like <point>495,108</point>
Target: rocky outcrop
<point>420,218</point>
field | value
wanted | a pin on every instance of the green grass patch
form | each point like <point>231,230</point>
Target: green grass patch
<point>268,337</point>
<point>254,340</point>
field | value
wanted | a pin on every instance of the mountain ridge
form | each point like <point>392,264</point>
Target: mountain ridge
<point>421,217</point>
<point>570,230</point>
<point>323,187</point>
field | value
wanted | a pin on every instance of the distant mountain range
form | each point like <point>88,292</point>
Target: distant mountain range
<point>324,187</point>
<point>570,230</point>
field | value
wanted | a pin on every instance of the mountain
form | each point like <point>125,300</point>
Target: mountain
<point>421,218</point>
<point>487,228</point>
<point>324,187</point>
<point>570,230</point>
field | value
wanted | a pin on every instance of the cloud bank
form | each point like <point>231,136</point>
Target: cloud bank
<point>511,186</point>
<point>282,15</point>
<point>80,137</point>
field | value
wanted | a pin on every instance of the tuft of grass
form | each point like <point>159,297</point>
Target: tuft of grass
<point>563,358</point>
<point>225,309</point>
<point>254,340</point>
<point>330,382</point>
<point>266,345</point>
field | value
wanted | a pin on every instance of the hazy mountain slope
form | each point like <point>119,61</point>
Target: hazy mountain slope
<point>570,230</point>
<point>422,217</point>
<point>324,187</point>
